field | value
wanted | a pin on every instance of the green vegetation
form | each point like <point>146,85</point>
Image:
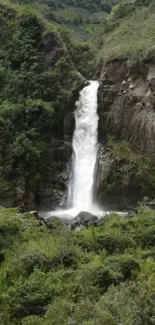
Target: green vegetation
<point>81,18</point>
<point>132,23</point>
<point>37,78</point>
<point>103,275</point>
<point>99,276</point>
<point>130,170</point>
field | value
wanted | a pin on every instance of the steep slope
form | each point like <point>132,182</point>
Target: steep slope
<point>38,88</point>
<point>81,18</point>
<point>127,98</point>
<point>129,32</point>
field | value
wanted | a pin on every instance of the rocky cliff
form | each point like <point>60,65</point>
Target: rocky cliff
<point>128,99</point>
<point>127,112</point>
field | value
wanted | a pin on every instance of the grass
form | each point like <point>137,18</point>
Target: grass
<point>134,37</point>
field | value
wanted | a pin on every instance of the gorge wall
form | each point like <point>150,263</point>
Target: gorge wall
<point>127,112</point>
<point>128,99</point>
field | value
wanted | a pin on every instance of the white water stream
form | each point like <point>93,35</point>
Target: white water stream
<point>85,147</point>
<point>84,158</point>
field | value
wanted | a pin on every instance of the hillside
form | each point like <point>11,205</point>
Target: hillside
<point>129,32</point>
<point>81,18</point>
<point>38,88</point>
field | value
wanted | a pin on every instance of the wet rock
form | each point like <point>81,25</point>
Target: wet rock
<point>95,223</point>
<point>127,111</point>
<point>104,218</point>
<point>35,214</point>
<point>148,203</point>
<point>54,223</point>
<point>145,200</point>
<point>87,219</point>
<point>131,214</point>
<point>71,223</point>
<point>151,204</point>
<point>80,228</point>
<point>21,208</point>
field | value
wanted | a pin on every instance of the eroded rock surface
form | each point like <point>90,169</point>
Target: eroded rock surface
<point>127,104</point>
<point>127,112</point>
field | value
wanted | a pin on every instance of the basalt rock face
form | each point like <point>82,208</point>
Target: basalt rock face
<point>127,112</point>
<point>127,104</point>
<point>54,189</point>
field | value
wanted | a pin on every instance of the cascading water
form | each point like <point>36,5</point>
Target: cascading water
<point>85,147</point>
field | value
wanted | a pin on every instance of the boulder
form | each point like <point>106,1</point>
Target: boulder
<point>87,219</point>
<point>71,223</point>
<point>147,203</point>
<point>104,218</point>
<point>54,223</point>
<point>80,228</point>
<point>131,214</point>
<point>35,214</point>
<point>151,204</point>
<point>21,208</point>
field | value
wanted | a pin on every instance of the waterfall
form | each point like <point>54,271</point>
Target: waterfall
<point>85,147</point>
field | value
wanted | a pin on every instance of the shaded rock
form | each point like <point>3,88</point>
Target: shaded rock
<point>87,219</point>
<point>80,228</point>
<point>95,223</point>
<point>146,202</point>
<point>128,115</point>
<point>35,214</point>
<point>131,214</point>
<point>71,223</point>
<point>151,204</point>
<point>103,219</point>
<point>21,208</point>
<point>54,223</point>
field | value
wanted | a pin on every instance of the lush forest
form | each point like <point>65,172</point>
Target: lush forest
<point>37,89</point>
<point>81,18</point>
<point>131,22</point>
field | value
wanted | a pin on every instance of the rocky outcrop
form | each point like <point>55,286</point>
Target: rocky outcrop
<point>127,104</point>
<point>54,188</point>
<point>127,112</point>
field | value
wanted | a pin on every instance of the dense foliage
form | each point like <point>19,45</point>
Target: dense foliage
<point>138,168</point>
<point>103,275</point>
<point>132,23</point>
<point>80,17</point>
<point>99,276</point>
<point>37,77</point>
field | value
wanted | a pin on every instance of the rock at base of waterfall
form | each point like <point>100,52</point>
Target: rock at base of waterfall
<point>87,219</point>
<point>80,228</point>
<point>147,203</point>
<point>131,214</point>
<point>54,223</point>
